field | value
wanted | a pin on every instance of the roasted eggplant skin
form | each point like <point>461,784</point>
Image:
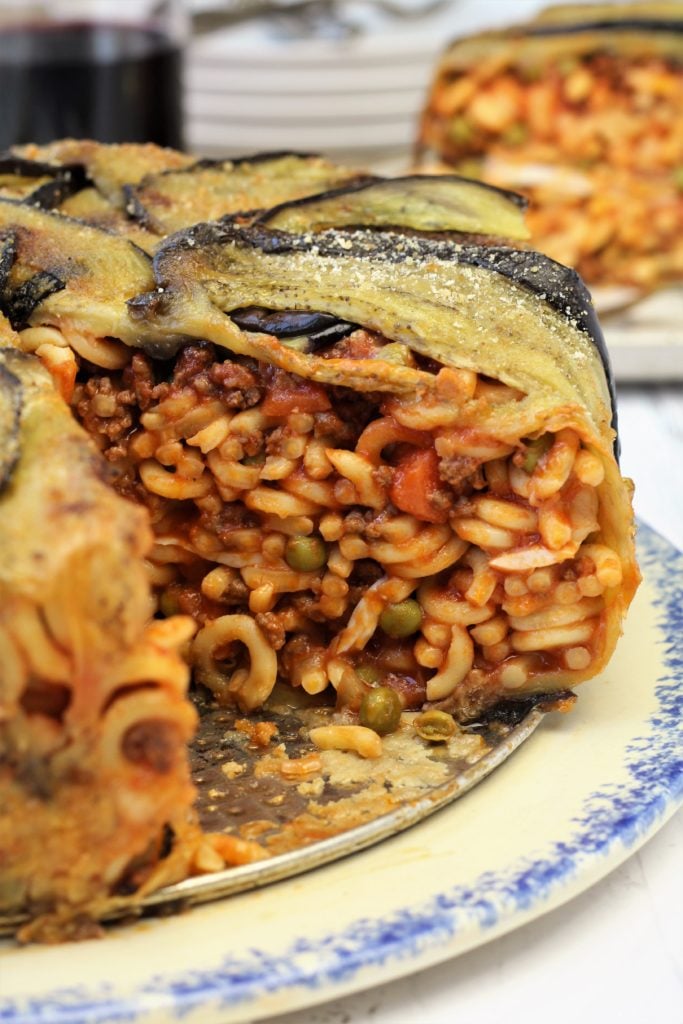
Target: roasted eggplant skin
<point>318,328</point>
<point>59,268</point>
<point>66,179</point>
<point>175,199</point>
<point>10,412</point>
<point>24,167</point>
<point>446,203</point>
<point>233,262</point>
<point>570,30</point>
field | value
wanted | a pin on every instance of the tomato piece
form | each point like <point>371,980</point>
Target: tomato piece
<point>287,394</point>
<point>416,481</point>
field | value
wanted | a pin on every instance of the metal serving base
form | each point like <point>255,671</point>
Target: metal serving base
<point>347,804</point>
<point>262,779</point>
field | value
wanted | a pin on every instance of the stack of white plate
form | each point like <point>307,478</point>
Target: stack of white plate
<point>272,83</point>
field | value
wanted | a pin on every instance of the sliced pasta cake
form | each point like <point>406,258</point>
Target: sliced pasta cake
<point>341,436</point>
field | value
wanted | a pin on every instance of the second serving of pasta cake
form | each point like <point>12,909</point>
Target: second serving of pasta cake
<point>580,109</point>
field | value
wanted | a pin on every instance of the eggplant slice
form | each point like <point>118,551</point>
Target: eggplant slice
<point>571,31</point>
<point>38,183</point>
<point>85,180</point>
<point>651,16</point>
<point>109,168</point>
<point>447,203</point>
<point>420,292</point>
<point>172,200</point>
<point>70,272</point>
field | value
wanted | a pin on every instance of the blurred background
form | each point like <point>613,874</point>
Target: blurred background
<point>345,76</point>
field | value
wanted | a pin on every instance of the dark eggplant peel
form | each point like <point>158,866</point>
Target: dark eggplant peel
<point>424,203</point>
<point>367,454</point>
<point>144,192</point>
<point>172,200</point>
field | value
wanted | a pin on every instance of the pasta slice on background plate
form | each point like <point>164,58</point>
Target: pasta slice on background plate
<point>580,109</point>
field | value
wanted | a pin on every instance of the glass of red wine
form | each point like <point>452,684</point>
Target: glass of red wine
<point>109,70</point>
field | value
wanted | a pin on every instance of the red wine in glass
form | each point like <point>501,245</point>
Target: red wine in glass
<point>112,83</point>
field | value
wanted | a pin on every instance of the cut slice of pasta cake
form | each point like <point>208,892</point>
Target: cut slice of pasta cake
<point>356,444</point>
<point>93,778</point>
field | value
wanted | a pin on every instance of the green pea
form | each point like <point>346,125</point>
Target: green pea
<point>168,604</point>
<point>305,554</point>
<point>402,619</point>
<point>460,130</point>
<point>531,72</point>
<point>678,177</point>
<point>567,65</point>
<point>434,726</point>
<point>380,710</point>
<point>534,450</point>
<point>516,134</point>
<point>254,460</point>
<point>369,674</point>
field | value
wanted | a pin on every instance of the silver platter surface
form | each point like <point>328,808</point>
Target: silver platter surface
<point>263,780</point>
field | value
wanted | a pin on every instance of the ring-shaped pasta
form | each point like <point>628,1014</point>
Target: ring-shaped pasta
<point>31,338</point>
<point>423,546</point>
<point>558,615</point>
<point>232,474</point>
<point>379,434</point>
<point>110,355</point>
<point>28,629</point>
<point>144,732</point>
<point>251,687</point>
<point>360,471</point>
<point>445,606</point>
<point>553,469</point>
<point>279,503</point>
<point>365,616</point>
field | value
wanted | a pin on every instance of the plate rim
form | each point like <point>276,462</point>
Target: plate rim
<point>370,951</point>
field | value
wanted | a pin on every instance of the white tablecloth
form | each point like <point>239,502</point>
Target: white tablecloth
<point>616,952</point>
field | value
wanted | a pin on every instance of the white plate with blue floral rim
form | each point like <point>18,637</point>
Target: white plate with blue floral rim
<point>569,806</point>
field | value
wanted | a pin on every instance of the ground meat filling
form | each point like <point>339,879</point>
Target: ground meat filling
<point>315,535</point>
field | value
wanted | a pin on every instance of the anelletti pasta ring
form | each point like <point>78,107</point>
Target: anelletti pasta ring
<point>347,441</point>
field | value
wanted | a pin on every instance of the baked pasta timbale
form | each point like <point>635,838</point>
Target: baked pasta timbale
<point>579,109</point>
<point>341,435</point>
